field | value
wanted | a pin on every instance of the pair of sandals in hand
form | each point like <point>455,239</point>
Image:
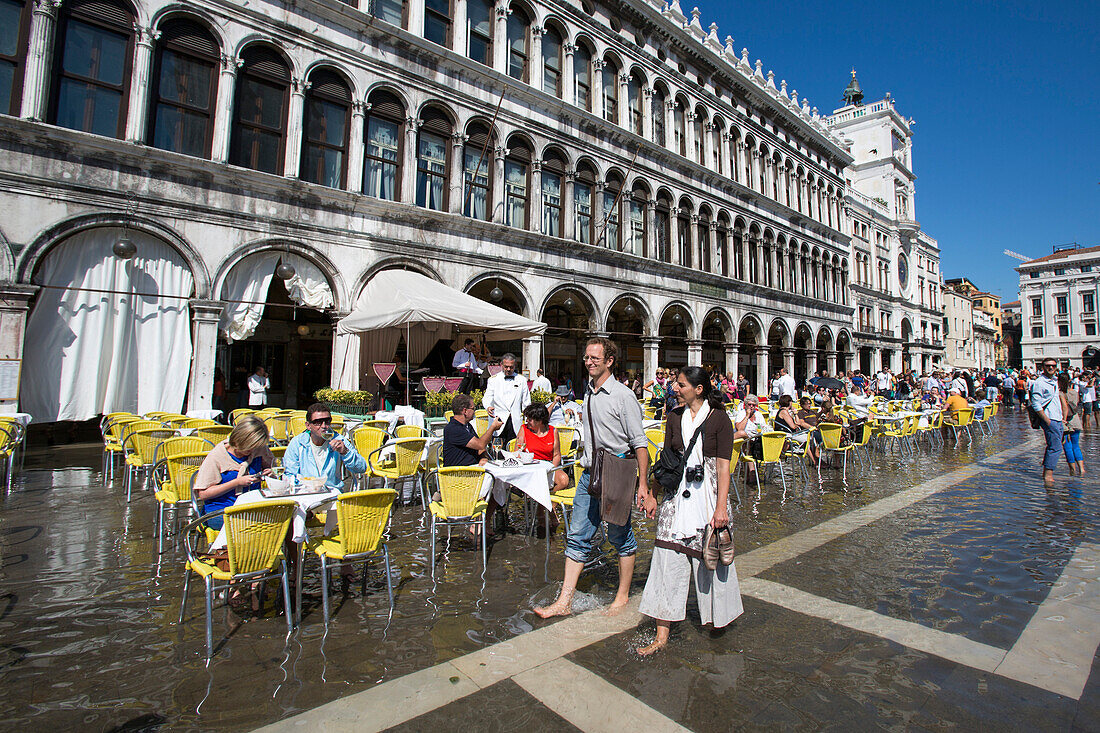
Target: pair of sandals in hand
<point>717,547</point>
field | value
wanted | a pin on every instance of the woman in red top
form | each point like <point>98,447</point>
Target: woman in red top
<point>539,438</point>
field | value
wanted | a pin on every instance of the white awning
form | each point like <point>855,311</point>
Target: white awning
<point>394,298</point>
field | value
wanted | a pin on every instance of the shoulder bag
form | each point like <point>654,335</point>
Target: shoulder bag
<point>612,479</point>
<point>669,467</point>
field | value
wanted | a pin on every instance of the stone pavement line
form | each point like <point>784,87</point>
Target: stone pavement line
<point>590,702</point>
<point>404,698</point>
<point>1056,649</point>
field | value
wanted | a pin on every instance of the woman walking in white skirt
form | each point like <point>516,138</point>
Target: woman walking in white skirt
<point>682,517</point>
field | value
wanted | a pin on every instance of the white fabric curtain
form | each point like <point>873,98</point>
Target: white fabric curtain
<point>250,279</point>
<point>345,361</point>
<point>90,352</point>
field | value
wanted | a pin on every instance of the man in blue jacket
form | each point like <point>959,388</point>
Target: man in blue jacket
<point>316,453</point>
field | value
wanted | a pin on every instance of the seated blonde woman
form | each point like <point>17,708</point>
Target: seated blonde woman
<point>233,466</point>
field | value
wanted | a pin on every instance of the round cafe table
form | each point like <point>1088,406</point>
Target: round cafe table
<point>533,479</point>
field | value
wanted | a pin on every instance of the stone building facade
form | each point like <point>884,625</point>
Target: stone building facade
<point>1058,297</point>
<point>616,170</point>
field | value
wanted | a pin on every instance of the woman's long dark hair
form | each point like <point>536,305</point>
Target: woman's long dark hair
<point>700,377</point>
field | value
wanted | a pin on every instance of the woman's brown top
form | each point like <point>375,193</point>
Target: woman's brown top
<point>717,434</point>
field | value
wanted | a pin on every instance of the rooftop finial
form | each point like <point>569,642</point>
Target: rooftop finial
<point>853,95</point>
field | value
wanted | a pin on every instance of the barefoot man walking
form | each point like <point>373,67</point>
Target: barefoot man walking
<point>614,409</point>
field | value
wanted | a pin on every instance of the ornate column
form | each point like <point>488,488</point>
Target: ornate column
<point>295,120</point>
<point>204,344</point>
<point>456,201</point>
<point>758,245</point>
<point>14,306</point>
<point>773,279</point>
<point>690,246</point>
<point>36,76</point>
<point>223,110</point>
<point>534,64</point>
<point>746,276</point>
<point>624,101</point>
<point>569,207</point>
<point>670,125</point>
<point>674,236</point>
<point>810,356</point>
<point>532,354</point>
<point>650,230</point>
<point>458,28</point>
<point>497,184</point>
<point>763,370</point>
<point>695,247</point>
<point>534,221</point>
<point>408,161</point>
<point>647,112</point>
<point>695,352</point>
<point>500,37</point>
<point>357,142</point>
<point>689,134</point>
<point>599,225</point>
<point>597,87</point>
<point>830,362</point>
<point>876,358</point>
<point>712,243</point>
<point>732,357</point>
<point>788,360</point>
<point>144,38</point>
<point>707,148</point>
<point>724,156</point>
<point>651,347</point>
<point>568,74</point>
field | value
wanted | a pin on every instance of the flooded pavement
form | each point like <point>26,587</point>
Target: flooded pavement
<point>88,633</point>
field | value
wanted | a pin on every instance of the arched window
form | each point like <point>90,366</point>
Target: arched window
<point>635,234</point>
<point>610,209</point>
<point>14,19</point>
<point>517,184</point>
<point>582,203</point>
<point>259,129</point>
<point>437,21</point>
<point>92,83</point>
<point>184,89</point>
<point>553,168</point>
<point>480,19</point>
<point>551,62</point>
<point>697,124</point>
<point>747,156</point>
<point>382,159</point>
<point>735,144</point>
<point>610,91</point>
<point>658,110</point>
<point>679,121</point>
<point>738,256</point>
<point>634,97</point>
<point>762,172</point>
<point>477,160</point>
<point>777,166</point>
<point>662,222</point>
<point>431,160</point>
<point>582,69</point>
<point>325,132</point>
<point>683,235</point>
<point>391,11</point>
<point>518,26</point>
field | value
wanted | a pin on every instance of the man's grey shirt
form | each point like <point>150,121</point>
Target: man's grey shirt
<point>618,419</point>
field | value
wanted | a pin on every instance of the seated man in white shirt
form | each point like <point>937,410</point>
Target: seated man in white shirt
<point>859,402</point>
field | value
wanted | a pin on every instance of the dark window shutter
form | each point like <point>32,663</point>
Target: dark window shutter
<point>435,122</point>
<point>105,11</point>
<point>478,134</point>
<point>329,84</point>
<point>189,36</point>
<point>385,104</point>
<point>264,61</point>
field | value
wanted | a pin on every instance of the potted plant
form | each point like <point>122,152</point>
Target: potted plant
<point>345,401</point>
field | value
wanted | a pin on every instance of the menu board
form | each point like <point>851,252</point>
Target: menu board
<point>9,379</point>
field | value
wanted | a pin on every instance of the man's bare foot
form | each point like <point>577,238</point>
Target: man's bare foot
<point>560,607</point>
<point>616,607</point>
<point>645,651</point>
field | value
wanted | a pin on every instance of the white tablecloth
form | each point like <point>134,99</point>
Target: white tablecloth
<point>305,504</point>
<point>412,416</point>
<point>204,414</point>
<point>23,417</point>
<point>533,479</point>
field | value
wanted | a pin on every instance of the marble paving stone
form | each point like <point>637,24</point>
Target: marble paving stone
<point>503,707</point>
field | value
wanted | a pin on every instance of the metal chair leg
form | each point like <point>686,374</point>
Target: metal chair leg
<point>432,557</point>
<point>183,602</point>
<point>209,617</point>
<point>324,588</point>
<point>389,576</point>
<point>286,601</point>
<point>484,541</point>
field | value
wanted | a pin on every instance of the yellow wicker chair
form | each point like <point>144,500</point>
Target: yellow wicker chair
<point>406,465</point>
<point>254,538</point>
<point>383,425</point>
<point>277,453</point>
<point>214,434</point>
<point>961,422</point>
<point>298,425</point>
<point>362,518</point>
<point>367,440</point>
<point>410,431</point>
<point>112,427</point>
<point>239,413</point>
<point>9,444</point>
<point>831,434</point>
<point>460,504</point>
<point>567,438</point>
<point>656,439</point>
<point>194,423</point>
<point>773,443</point>
<point>174,488</point>
<point>140,447</point>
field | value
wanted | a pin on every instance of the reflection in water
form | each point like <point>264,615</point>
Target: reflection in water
<point>87,609</point>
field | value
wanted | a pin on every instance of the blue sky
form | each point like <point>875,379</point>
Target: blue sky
<point>1006,97</point>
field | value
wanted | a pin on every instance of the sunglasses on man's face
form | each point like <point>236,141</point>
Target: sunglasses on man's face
<point>322,421</point>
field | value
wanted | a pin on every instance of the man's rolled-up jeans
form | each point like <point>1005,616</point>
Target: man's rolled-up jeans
<point>1053,433</point>
<point>585,520</point>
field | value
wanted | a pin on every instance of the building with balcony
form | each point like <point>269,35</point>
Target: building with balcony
<point>896,282</point>
<point>1058,297</point>
<point>958,328</point>
<point>211,185</point>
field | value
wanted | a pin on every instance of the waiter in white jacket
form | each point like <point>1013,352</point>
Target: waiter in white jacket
<point>505,397</point>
